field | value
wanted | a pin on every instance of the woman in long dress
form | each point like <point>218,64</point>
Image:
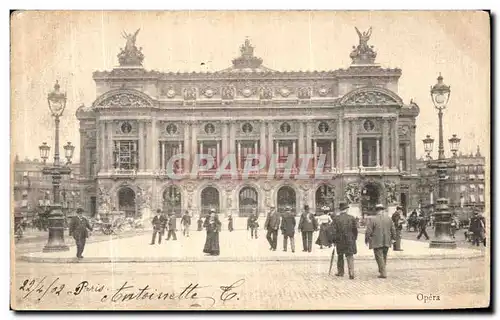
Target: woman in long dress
<point>230,223</point>
<point>324,222</point>
<point>212,225</point>
<point>200,223</point>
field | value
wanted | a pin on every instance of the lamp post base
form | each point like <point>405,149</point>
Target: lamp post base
<point>442,227</point>
<point>443,244</point>
<point>56,231</point>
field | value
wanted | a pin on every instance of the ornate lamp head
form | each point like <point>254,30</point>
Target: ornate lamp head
<point>57,101</point>
<point>454,144</point>
<point>428,144</point>
<point>44,151</point>
<point>68,151</point>
<point>440,93</point>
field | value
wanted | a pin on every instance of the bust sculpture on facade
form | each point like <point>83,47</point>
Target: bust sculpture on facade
<point>131,55</point>
<point>363,53</point>
<point>104,200</point>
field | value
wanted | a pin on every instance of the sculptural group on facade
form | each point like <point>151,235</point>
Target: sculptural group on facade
<point>130,55</point>
<point>104,200</point>
<point>352,193</point>
<point>390,189</point>
<point>363,53</point>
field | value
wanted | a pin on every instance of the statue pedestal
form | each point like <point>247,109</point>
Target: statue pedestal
<point>354,210</point>
<point>146,215</point>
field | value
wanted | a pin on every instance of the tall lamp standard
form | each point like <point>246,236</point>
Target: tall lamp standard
<point>57,103</point>
<point>440,94</point>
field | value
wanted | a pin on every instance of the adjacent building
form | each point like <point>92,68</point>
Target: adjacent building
<point>464,186</point>
<point>33,191</point>
<point>351,118</point>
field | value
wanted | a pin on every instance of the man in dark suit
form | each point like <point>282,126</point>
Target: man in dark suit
<point>158,223</point>
<point>307,225</point>
<point>172,226</point>
<point>186,223</point>
<point>272,225</point>
<point>380,233</point>
<point>422,225</point>
<point>78,228</point>
<point>345,234</point>
<point>288,229</point>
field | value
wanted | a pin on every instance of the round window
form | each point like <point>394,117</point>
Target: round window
<point>247,128</point>
<point>126,127</point>
<point>368,125</point>
<point>171,128</point>
<point>323,127</point>
<point>209,128</point>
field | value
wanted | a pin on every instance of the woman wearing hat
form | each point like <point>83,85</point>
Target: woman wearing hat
<point>212,225</point>
<point>324,222</point>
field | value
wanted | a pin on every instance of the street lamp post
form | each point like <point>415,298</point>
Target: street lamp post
<point>57,103</point>
<point>440,94</point>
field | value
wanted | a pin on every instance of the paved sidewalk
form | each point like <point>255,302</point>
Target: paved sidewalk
<point>235,246</point>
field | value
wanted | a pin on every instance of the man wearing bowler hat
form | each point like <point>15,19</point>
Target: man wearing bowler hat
<point>380,232</point>
<point>345,234</point>
<point>78,228</point>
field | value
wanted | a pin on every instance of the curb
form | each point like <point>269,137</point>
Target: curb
<point>240,259</point>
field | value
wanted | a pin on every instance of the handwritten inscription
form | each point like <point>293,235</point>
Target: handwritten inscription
<point>194,293</point>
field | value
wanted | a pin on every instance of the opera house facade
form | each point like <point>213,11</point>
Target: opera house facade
<point>358,132</point>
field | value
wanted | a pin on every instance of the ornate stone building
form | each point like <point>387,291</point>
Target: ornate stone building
<point>351,117</point>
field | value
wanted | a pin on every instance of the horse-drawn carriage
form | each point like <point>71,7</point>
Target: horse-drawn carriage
<point>109,223</point>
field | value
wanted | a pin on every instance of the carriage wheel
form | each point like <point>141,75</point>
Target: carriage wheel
<point>107,231</point>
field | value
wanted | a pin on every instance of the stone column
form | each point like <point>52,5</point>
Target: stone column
<point>294,152</point>
<point>102,145</point>
<point>395,137</point>
<point>153,146</point>
<point>179,151</point>
<point>301,138</point>
<point>354,156</point>
<point>340,144</point>
<point>407,157</point>
<point>194,142</point>
<point>385,144</point>
<point>308,136</point>
<point>332,155</point>
<point>141,146</point>
<point>347,145</point>
<point>232,138</point>
<point>315,154</point>
<point>360,153</point>
<point>262,139</point>
<point>217,161</point>
<point>187,148</point>
<point>109,158</point>
<point>378,152</point>
<point>270,138</point>
<point>413,155</point>
<point>225,135</point>
<point>239,156</point>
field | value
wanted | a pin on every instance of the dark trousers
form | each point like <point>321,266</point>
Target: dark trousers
<point>381,258</point>
<point>292,242</point>
<point>307,240</point>
<point>272,238</point>
<point>253,232</point>
<point>153,239</point>
<point>80,245</point>
<point>350,264</point>
<point>171,233</point>
<point>424,233</point>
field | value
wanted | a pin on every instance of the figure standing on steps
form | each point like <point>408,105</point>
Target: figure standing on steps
<point>79,228</point>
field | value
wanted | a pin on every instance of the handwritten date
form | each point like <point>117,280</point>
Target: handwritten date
<point>195,294</point>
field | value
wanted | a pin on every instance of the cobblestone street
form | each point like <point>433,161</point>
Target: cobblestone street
<point>264,285</point>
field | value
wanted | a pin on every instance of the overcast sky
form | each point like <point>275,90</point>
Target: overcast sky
<point>69,46</point>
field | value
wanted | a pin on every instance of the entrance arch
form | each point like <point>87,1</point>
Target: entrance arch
<point>210,200</point>
<point>126,201</point>
<point>248,199</point>
<point>286,196</point>
<point>172,200</point>
<point>370,197</point>
<point>325,197</point>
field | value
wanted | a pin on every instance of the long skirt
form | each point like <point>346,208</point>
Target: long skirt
<point>324,235</point>
<point>212,244</point>
<point>200,225</point>
<point>230,225</point>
